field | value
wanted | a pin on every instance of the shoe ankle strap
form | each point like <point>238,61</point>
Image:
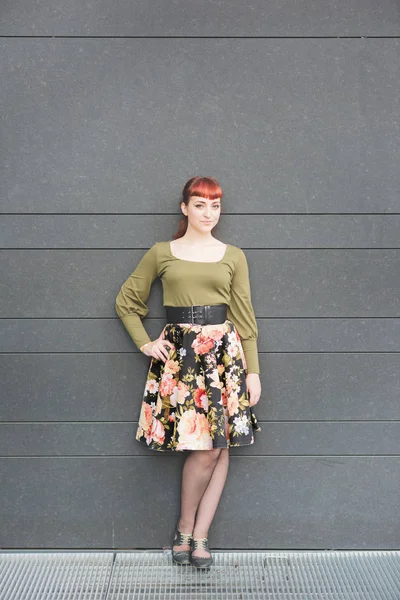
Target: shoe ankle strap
<point>183,538</point>
<point>200,542</point>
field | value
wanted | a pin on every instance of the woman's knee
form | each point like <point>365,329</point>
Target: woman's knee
<point>218,455</point>
<point>209,456</point>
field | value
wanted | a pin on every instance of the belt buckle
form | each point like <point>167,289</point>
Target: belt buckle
<point>200,314</point>
<point>207,314</point>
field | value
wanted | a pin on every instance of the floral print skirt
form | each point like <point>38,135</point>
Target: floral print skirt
<point>198,398</point>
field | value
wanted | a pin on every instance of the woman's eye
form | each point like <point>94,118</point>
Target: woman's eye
<point>201,206</point>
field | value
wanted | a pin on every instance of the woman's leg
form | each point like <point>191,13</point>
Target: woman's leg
<point>210,500</point>
<point>203,478</point>
<point>196,474</point>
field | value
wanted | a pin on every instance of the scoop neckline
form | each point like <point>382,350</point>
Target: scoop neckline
<point>200,262</point>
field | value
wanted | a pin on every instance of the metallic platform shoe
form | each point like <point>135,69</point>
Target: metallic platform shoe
<point>181,557</point>
<point>201,562</point>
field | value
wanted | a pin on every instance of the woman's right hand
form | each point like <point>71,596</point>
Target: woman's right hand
<point>158,349</point>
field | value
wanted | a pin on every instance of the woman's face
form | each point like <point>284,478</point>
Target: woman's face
<point>202,213</point>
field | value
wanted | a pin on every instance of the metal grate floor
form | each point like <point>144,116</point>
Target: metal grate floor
<point>306,575</point>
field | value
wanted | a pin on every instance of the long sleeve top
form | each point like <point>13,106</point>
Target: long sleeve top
<point>187,282</point>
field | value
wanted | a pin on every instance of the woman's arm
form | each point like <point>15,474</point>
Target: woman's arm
<point>241,313</point>
<point>130,304</point>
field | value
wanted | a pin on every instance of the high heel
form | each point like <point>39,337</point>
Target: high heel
<point>200,562</point>
<point>181,557</point>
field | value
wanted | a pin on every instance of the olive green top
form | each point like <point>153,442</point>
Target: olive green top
<point>186,283</point>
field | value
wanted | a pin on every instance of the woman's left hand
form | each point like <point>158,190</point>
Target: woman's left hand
<point>253,387</point>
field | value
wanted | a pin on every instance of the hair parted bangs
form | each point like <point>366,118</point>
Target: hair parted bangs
<point>205,187</point>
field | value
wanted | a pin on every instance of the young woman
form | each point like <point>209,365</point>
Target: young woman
<point>203,378</point>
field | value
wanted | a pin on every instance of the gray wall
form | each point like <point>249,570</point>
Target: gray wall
<point>107,109</point>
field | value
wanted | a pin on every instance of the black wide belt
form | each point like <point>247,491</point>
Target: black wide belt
<point>201,314</point>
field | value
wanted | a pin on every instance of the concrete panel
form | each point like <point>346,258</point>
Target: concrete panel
<point>142,231</point>
<point>304,283</point>
<point>127,502</point>
<point>108,387</point>
<point>117,439</point>
<point>191,18</point>
<point>119,125</point>
<point>275,335</point>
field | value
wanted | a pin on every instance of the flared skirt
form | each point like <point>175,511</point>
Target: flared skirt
<point>197,399</point>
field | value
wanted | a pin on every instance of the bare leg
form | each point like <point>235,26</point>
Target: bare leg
<point>210,499</point>
<point>198,473</point>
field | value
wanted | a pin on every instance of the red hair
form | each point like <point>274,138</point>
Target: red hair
<point>204,187</point>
